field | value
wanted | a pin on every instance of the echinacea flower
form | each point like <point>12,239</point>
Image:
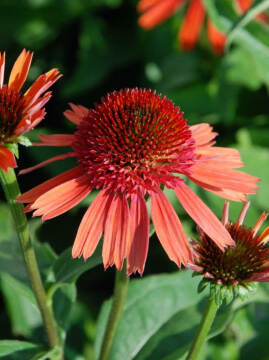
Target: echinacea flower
<point>130,146</point>
<point>20,112</point>
<point>233,270</point>
<point>154,12</point>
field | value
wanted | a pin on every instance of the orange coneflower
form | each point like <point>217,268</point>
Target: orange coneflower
<point>154,12</point>
<point>130,146</point>
<point>20,112</point>
<point>237,266</point>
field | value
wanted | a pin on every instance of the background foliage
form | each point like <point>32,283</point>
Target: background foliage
<point>98,47</point>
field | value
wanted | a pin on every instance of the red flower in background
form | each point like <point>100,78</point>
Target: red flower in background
<point>20,112</point>
<point>154,12</point>
<point>130,146</point>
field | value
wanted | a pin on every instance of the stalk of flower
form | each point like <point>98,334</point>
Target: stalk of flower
<point>155,12</point>
<point>130,146</point>
<point>232,272</point>
<point>19,113</point>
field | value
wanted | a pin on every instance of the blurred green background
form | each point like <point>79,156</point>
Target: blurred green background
<point>98,47</point>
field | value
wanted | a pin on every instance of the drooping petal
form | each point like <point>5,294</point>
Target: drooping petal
<point>158,13</point>
<point>169,229</point>
<point>31,195</point>
<point>192,24</point>
<point>46,162</point>
<point>203,216</point>
<point>115,238</point>
<point>7,159</point>
<point>224,178</point>
<point>138,235</point>
<point>2,68</point>
<point>92,226</point>
<point>216,38</point>
<point>20,70</point>
<point>226,194</point>
<point>62,198</point>
<point>55,140</point>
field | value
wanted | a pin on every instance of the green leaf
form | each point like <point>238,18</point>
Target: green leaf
<point>164,312</point>
<point>257,7</point>
<point>22,308</point>
<point>8,347</point>
<point>66,269</point>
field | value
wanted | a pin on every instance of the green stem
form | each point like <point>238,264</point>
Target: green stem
<point>120,291</point>
<point>204,328</point>
<point>12,191</point>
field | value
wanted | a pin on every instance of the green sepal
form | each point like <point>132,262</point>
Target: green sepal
<point>13,147</point>
<point>23,140</point>
<point>202,285</point>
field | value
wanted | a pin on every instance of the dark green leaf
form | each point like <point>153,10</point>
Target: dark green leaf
<point>164,312</point>
<point>8,347</point>
<point>66,269</point>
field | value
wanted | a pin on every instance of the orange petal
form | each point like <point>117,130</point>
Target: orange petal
<point>62,198</point>
<point>20,70</point>
<point>92,226</point>
<point>226,194</point>
<point>42,83</point>
<point>7,159</point>
<point>159,13</point>
<point>192,25</point>
<point>169,229</point>
<point>46,162</point>
<point>2,68</point>
<point>203,216</point>
<point>203,134</point>
<point>31,195</point>
<point>215,155</point>
<point>217,38</point>
<point>224,178</point>
<point>137,236</point>
<point>115,239</point>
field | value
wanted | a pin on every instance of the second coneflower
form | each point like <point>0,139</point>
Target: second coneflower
<point>130,146</point>
<point>20,112</point>
<point>233,271</point>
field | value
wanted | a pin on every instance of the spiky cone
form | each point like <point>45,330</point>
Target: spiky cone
<point>155,12</point>
<point>235,270</point>
<point>20,112</point>
<point>130,146</point>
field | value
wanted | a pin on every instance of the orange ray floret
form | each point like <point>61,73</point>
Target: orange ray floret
<point>129,146</point>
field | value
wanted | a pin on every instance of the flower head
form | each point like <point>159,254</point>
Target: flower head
<point>20,112</point>
<point>130,146</point>
<point>235,268</point>
<point>154,12</point>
